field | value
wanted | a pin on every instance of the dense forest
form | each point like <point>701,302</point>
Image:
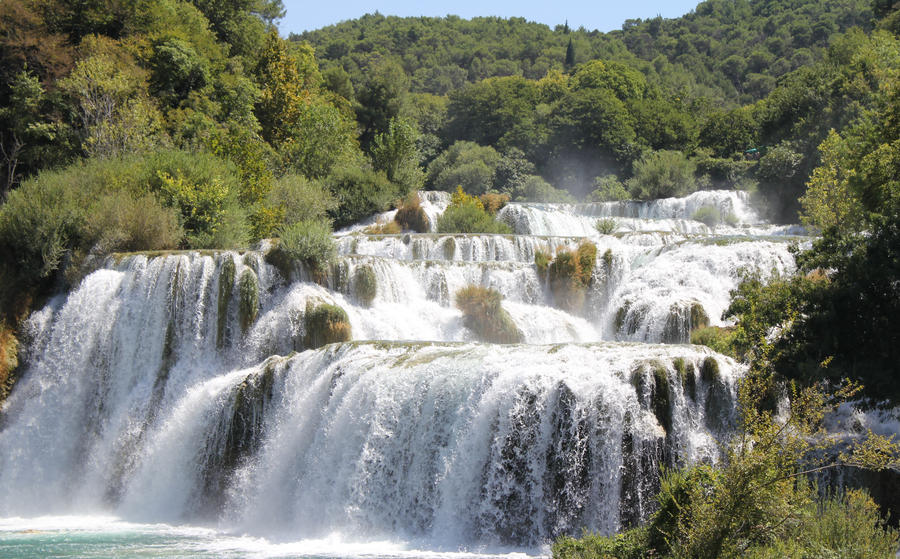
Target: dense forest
<point>191,124</point>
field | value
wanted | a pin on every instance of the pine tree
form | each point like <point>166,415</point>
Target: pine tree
<point>570,55</point>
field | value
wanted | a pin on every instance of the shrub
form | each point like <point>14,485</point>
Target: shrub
<point>325,324</point>
<point>292,198</point>
<point>366,284</point>
<point>608,189</point>
<point>119,221</point>
<point>631,544</point>
<point>493,202</point>
<point>360,192</point>
<point>718,339</point>
<point>410,215</point>
<point>484,315</point>
<point>542,260</point>
<point>662,174</point>
<point>536,189</point>
<point>466,215</point>
<point>709,215</point>
<point>309,242</point>
<point>606,226</point>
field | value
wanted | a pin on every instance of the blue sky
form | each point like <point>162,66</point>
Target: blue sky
<point>603,15</point>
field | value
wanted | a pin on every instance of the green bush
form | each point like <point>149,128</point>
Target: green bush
<point>606,226</point>
<point>464,164</point>
<point>631,544</point>
<point>570,273</point>
<point>119,221</point>
<point>708,215</point>
<point>536,189</point>
<point>608,189</point>
<point>292,198</point>
<point>466,215</point>
<point>483,313</point>
<point>325,324</point>
<point>308,241</point>
<point>493,202</point>
<point>360,192</point>
<point>662,174</point>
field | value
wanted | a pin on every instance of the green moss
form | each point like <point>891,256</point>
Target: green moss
<point>660,395</point>
<point>687,374</point>
<point>449,248</point>
<point>226,285</point>
<point>366,284</point>
<point>325,324</point>
<point>608,259</point>
<point>418,249</point>
<point>621,315</point>
<point>709,371</point>
<point>483,313</point>
<point>248,308</point>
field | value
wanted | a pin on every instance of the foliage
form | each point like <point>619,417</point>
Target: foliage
<point>606,226</point>
<point>248,306</point>
<point>493,202</point>
<point>608,188</point>
<point>9,359</point>
<point>662,174</point>
<point>395,151</point>
<point>536,189</point>
<point>464,164</point>
<point>360,191</point>
<point>708,215</point>
<point>466,214</point>
<point>483,313</point>
<point>292,198</point>
<point>308,241</point>
<point>720,340</point>
<point>121,222</point>
<point>410,215</point>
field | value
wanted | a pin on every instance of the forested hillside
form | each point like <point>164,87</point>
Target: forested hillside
<point>724,50</point>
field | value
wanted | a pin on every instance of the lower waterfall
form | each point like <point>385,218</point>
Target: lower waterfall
<point>178,391</point>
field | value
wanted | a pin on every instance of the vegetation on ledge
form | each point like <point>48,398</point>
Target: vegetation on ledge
<point>325,324</point>
<point>483,313</point>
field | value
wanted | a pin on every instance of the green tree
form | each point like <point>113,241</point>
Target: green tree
<point>662,174</point>
<point>396,153</point>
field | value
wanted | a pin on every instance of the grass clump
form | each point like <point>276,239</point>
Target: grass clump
<point>606,226</point>
<point>248,308</point>
<point>570,273</point>
<point>411,216</point>
<point>708,215</point>
<point>483,313</point>
<point>542,259</point>
<point>366,284</point>
<point>466,214</point>
<point>386,228</point>
<point>325,324</point>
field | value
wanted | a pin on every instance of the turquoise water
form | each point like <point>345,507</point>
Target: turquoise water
<point>107,537</point>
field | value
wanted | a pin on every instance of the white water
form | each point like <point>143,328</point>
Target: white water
<point>144,398</point>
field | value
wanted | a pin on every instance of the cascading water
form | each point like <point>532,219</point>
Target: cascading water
<point>179,388</point>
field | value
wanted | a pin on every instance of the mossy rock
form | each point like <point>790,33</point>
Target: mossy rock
<point>542,260</point>
<point>699,318</point>
<point>281,261</point>
<point>483,313</point>
<point>621,315</point>
<point>226,286</point>
<point>449,248</point>
<point>366,284</point>
<point>325,324</point>
<point>687,374</point>
<point>248,308</point>
<point>608,259</point>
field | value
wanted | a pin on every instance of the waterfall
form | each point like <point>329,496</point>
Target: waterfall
<point>184,389</point>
